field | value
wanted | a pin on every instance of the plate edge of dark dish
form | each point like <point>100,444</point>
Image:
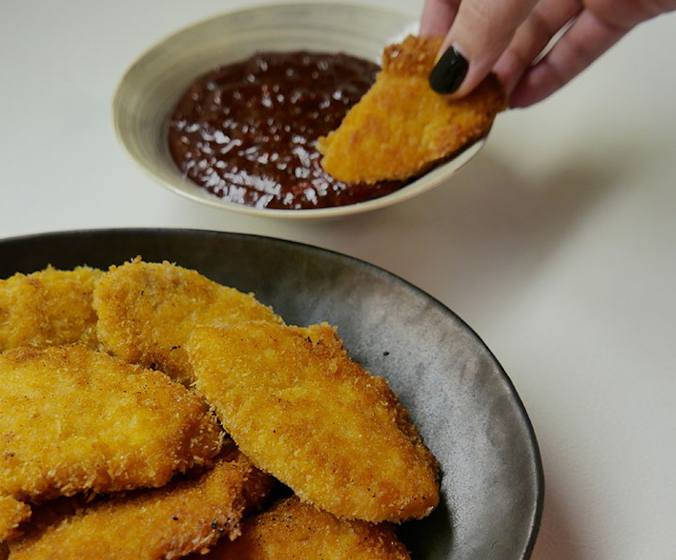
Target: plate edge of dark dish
<point>539,479</point>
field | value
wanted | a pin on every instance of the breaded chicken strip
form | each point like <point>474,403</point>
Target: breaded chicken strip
<point>147,311</point>
<point>12,514</point>
<point>293,531</point>
<point>47,308</point>
<point>401,127</point>
<point>74,420</point>
<point>185,516</point>
<point>300,409</point>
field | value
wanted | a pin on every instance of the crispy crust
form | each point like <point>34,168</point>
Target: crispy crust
<point>78,420</point>
<point>401,127</point>
<point>12,514</point>
<point>184,517</point>
<point>293,530</point>
<point>147,311</point>
<point>415,56</point>
<point>303,411</point>
<point>47,308</point>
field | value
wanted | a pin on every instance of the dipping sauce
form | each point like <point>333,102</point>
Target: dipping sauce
<point>247,131</point>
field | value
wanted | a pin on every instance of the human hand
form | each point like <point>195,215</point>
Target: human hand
<point>506,36</point>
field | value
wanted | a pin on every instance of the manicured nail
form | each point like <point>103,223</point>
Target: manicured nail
<point>449,71</point>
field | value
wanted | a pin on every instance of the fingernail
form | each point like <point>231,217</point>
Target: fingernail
<point>449,71</point>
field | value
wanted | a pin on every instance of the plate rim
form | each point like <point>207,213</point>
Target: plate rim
<point>536,519</point>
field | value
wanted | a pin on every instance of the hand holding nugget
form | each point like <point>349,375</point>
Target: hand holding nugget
<point>401,128</point>
<point>508,38</point>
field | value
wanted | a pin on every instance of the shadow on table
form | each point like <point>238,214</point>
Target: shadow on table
<point>478,238</point>
<point>557,538</point>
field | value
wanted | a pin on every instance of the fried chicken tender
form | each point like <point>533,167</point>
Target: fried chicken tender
<point>300,409</point>
<point>74,420</point>
<point>185,516</point>
<point>401,127</point>
<point>147,311</point>
<point>12,514</point>
<point>292,530</point>
<point>48,308</point>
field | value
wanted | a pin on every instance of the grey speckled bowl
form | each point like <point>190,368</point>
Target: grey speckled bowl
<point>459,396</point>
<point>152,86</point>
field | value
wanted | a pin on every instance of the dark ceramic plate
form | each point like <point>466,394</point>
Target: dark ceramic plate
<point>458,394</point>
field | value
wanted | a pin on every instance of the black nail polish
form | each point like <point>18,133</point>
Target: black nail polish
<point>449,72</point>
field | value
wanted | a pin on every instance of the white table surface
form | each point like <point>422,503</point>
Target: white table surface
<point>557,244</point>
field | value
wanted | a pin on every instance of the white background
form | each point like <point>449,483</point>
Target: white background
<point>557,244</point>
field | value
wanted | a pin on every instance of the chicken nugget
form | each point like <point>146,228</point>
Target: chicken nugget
<point>401,127</point>
<point>292,530</point>
<point>147,311</point>
<point>12,514</point>
<point>78,420</point>
<point>302,410</point>
<point>185,516</point>
<point>47,308</point>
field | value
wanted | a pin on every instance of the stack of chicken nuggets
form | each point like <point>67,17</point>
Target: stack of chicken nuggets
<point>148,412</point>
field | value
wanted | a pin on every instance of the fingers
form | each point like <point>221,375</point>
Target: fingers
<point>544,22</point>
<point>587,39</point>
<point>437,17</point>
<point>480,33</point>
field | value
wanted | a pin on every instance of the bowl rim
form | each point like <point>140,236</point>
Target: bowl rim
<point>539,479</point>
<point>426,182</point>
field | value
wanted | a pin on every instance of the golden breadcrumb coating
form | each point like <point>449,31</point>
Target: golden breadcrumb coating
<point>185,516</point>
<point>292,530</point>
<point>47,308</point>
<point>147,311</point>
<point>12,514</point>
<point>78,420</point>
<point>401,127</point>
<point>300,409</point>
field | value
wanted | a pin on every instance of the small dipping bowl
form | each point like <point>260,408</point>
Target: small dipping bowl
<point>149,91</point>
